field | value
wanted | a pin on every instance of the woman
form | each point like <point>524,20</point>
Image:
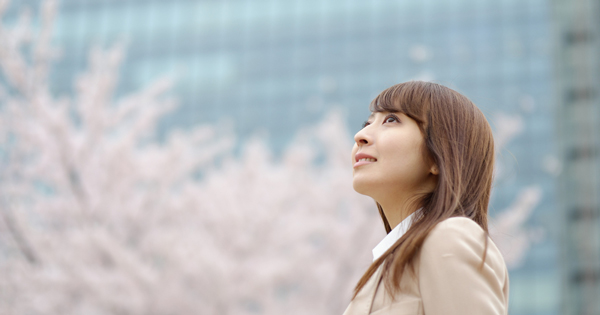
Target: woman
<point>426,156</point>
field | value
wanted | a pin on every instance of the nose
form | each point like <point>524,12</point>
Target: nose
<point>362,137</point>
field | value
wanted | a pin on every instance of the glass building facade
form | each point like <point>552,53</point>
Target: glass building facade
<point>578,121</point>
<point>272,67</point>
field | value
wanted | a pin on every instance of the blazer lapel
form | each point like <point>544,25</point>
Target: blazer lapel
<point>361,304</point>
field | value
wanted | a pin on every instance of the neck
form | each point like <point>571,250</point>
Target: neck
<point>395,212</point>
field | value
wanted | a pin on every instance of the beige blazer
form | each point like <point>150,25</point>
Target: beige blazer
<point>447,278</point>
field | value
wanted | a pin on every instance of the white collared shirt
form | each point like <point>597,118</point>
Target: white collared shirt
<point>393,236</point>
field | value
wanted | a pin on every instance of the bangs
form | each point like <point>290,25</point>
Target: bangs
<point>409,98</point>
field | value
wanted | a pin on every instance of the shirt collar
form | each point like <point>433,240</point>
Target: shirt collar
<point>392,237</point>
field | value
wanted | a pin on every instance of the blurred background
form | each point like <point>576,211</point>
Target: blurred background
<point>192,156</point>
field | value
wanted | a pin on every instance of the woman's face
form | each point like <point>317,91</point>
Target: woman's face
<point>388,158</point>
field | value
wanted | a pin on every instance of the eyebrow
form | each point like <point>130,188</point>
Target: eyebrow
<point>372,115</point>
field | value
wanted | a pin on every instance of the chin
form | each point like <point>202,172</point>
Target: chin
<point>362,187</point>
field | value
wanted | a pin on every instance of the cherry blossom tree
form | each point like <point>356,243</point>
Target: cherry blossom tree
<point>97,216</point>
<point>509,229</point>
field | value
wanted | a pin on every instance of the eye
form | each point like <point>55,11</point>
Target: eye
<point>366,123</point>
<point>391,118</point>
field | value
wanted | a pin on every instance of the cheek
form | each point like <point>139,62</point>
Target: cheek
<point>407,160</point>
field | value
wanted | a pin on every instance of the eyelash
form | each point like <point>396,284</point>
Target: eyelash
<point>366,123</point>
<point>391,116</point>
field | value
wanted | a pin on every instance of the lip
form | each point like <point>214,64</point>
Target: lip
<point>359,156</point>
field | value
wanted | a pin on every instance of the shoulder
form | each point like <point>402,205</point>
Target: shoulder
<point>452,266</point>
<point>462,238</point>
<point>455,232</point>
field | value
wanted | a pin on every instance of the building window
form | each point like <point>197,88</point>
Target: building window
<point>582,152</point>
<point>574,37</point>
<point>585,213</point>
<point>579,94</point>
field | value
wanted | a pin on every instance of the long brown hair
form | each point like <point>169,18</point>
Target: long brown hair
<point>458,139</point>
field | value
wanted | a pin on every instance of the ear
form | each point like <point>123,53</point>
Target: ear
<point>434,170</point>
